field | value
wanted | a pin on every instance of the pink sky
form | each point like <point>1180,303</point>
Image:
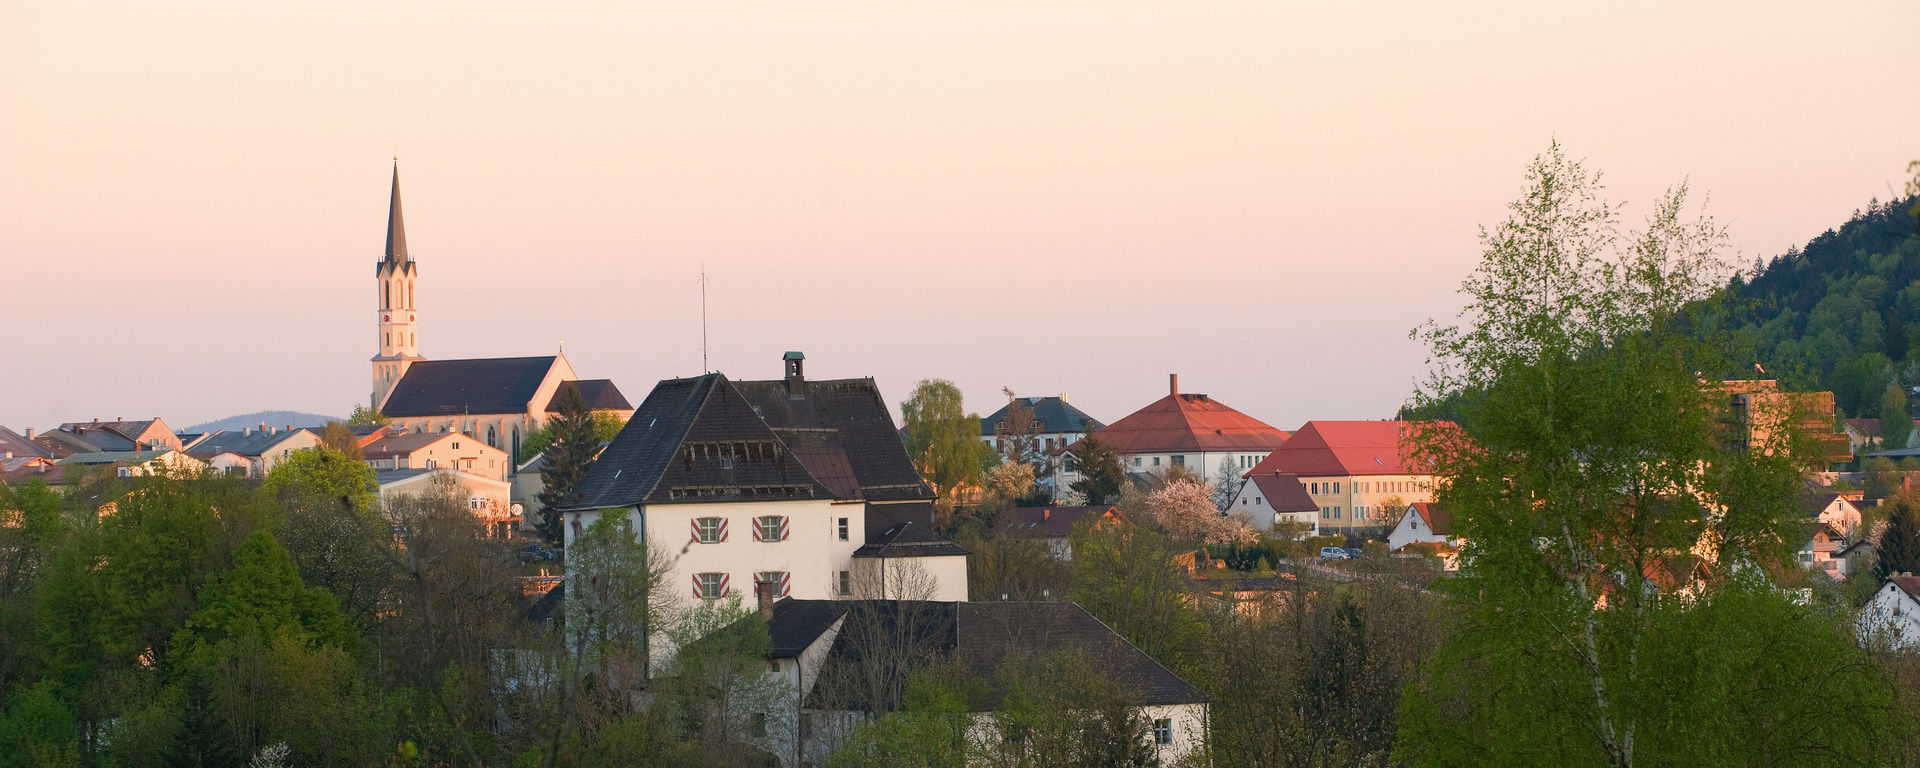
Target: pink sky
<point>1061,196</point>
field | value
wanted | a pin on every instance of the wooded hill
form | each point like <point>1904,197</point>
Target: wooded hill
<point>1841,314</point>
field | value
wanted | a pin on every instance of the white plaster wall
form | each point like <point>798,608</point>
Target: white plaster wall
<point>812,553</point>
<point>1892,616</point>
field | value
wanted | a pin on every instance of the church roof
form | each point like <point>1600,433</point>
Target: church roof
<point>601,395</point>
<point>396,227</point>
<point>478,386</point>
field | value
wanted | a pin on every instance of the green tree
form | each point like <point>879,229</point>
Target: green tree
<point>364,416</point>
<point>1125,576</point>
<point>1593,472</point>
<point>944,441</point>
<point>1896,427</point>
<point>573,448</point>
<point>606,426</point>
<point>1899,547</point>
<point>339,437</point>
<point>333,525</point>
<point>1101,475</point>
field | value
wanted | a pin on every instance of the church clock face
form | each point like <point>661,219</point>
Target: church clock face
<point>386,318</point>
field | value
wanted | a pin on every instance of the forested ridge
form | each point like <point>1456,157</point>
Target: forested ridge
<point>1841,314</point>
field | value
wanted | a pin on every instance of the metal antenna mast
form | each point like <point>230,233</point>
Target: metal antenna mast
<point>704,368</point>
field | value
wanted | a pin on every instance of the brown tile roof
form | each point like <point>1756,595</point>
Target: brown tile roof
<point>1185,422</point>
<point>1053,522</point>
<point>1438,519</point>
<point>1284,493</point>
<point>394,444</point>
<point>20,447</point>
<point>1868,427</point>
<point>1348,448</point>
<point>1908,584</point>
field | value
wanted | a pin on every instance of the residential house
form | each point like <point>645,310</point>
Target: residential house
<point>1053,424</point>
<point>250,452</point>
<point>497,400</point>
<point>436,450</point>
<point>488,498</point>
<point>1273,500</point>
<point>844,659</point>
<point>1426,523</point>
<point>123,435</point>
<point>1053,526</point>
<point>1863,434</point>
<point>155,461</point>
<point>1893,615</point>
<point>13,445</point>
<point>1838,509</point>
<point>779,482</point>
<point>1822,551</point>
<point>1355,471</point>
<point>1190,430</point>
<point>20,469</point>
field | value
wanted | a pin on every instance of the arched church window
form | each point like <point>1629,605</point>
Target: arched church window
<point>386,295</point>
<point>409,295</point>
<point>514,435</point>
<point>492,441</point>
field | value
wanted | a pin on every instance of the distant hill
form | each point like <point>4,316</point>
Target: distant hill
<point>270,418</point>
<point>1841,314</point>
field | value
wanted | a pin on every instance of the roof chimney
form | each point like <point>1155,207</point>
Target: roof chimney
<point>1173,384</point>
<point>763,592</point>
<point>263,427</point>
<point>29,433</point>
<point>1046,514</point>
<point>796,377</point>
<point>1063,397</point>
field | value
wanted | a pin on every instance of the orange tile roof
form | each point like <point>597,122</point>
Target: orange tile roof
<point>1345,448</point>
<point>1184,422</point>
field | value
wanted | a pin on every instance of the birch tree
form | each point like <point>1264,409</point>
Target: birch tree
<point>1615,605</point>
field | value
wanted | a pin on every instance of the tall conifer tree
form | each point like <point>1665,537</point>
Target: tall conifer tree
<point>572,450</point>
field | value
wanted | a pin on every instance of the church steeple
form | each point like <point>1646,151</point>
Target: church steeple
<point>394,276</point>
<point>396,226</point>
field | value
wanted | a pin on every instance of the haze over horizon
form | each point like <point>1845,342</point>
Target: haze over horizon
<point>1072,197</point>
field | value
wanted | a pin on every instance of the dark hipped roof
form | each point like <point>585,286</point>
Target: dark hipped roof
<point>908,540</point>
<point>479,386</point>
<point>600,394</point>
<point>1284,493</point>
<point>982,637</point>
<point>797,623</point>
<point>1053,522</point>
<point>1050,414</point>
<point>834,418</point>
<point>650,460</point>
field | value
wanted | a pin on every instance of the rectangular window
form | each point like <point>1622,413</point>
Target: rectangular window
<point>709,586</point>
<point>1179,461</point>
<point>846,583</point>
<point>1163,731</point>
<point>1313,487</point>
<point>759,724</point>
<point>1336,513</point>
<point>1336,487</point>
<point>770,528</point>
<point>843,529</point>
<point>1156,461</point>
<point>726,462</point>
<point>709,530</point>
<point>1136,461</point>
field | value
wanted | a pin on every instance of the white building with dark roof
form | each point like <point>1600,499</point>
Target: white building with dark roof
<point>1892,617</point>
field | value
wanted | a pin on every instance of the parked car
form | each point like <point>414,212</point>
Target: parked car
<point>1333,553</point>
<point>1355,552</point>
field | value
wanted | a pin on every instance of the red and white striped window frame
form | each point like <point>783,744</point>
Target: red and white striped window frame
<point>711,586</point>
<point>709,530</point>
<point>770,528</point>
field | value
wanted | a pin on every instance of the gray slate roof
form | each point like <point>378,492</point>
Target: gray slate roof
<point>1053,415</point>
<point>908,540</point>
<point>19,446</point>
<point>457,387</point>
<point>982,637</point>
<point>708,438</point>
<point>242,443</point>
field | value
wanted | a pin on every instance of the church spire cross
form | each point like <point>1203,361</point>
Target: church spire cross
<point>396,226</point>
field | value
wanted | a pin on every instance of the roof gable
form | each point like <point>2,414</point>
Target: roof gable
<point>460,387</point>
<point>1285,493</point>
<point>1190,422</point>
<point>600,394</point>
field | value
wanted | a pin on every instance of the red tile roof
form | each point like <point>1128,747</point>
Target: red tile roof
<point>1054,522</point>
<point>1438,520</point>
<point>1908,584</point>
<point>1344,448</point>
<point>1183,422</point>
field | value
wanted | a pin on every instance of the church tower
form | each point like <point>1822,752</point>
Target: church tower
<point>395,275</point>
